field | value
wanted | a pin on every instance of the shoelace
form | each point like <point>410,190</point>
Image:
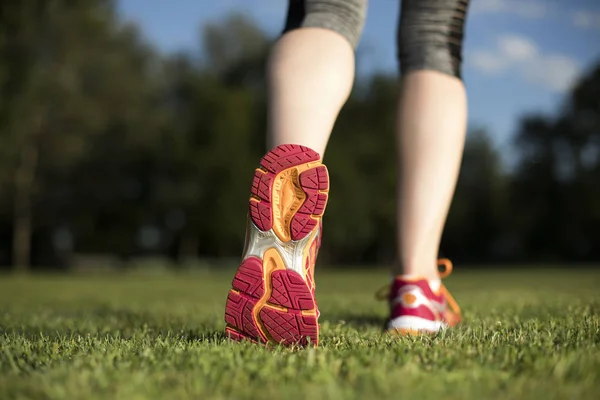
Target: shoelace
<point>384,293</point>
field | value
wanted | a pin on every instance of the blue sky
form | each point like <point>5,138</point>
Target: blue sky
<point>520,55</point>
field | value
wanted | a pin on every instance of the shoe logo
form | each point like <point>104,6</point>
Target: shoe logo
<point>409,299</point>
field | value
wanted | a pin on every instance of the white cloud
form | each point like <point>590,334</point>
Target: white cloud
<point>554,71</point>
<point>586,19</point>
<point>521,56</point>
<point>531,9</point>
<point>517,48</point>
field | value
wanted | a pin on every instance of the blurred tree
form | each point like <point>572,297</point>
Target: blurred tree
<point>70,72</point>
<point>555,187</point>
<point>475,228</point>
<point>217,110</point>
<point>361,162</point>
<point>236,49</point>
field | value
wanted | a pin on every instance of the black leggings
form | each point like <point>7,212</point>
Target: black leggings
<point>430,32</point>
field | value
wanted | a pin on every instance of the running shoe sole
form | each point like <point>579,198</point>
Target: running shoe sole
<point>271,300</point>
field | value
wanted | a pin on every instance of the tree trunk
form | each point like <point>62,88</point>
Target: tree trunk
<point>22,212</point>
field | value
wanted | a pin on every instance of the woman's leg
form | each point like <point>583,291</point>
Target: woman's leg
<point>432,115</point>
<point>311,71</point>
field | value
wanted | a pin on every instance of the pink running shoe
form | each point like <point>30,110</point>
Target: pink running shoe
<point>273,294</point>
<point>415,308</point>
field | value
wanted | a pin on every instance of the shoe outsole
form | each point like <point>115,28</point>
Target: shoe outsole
<point>268,302</point>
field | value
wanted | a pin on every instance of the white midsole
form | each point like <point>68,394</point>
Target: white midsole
<point>416,323</point>
<point>291,252</point>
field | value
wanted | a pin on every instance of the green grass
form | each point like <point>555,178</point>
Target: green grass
<point>527,335</point>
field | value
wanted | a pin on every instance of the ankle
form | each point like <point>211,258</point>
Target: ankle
<point>427,270</point>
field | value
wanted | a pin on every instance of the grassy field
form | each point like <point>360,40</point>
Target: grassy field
<point>527,336</point>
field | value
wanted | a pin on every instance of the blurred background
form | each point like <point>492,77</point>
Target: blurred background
<point>129,131</point>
